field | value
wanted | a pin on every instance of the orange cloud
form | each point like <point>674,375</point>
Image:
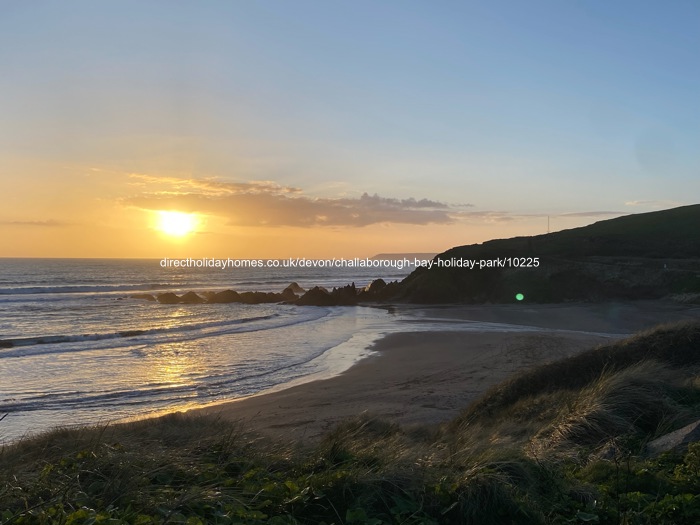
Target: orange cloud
<point>51,223</point>
<point>266,203</point>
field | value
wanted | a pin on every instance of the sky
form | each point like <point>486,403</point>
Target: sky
<point>318,129</point>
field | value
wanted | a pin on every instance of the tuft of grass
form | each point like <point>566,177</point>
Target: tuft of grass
<point>675,345</point>
<point>635,400</point>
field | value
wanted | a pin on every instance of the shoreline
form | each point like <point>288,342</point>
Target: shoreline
<point>427,377</point>
<point>421,366</point>
<point>412,378</point>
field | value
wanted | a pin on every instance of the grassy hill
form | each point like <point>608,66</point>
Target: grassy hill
<point>562,443</point>
<point>641,256</point>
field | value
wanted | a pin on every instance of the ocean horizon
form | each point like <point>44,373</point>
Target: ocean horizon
<point>76,348</point>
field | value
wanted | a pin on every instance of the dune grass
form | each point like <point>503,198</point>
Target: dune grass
<point>562,443</point>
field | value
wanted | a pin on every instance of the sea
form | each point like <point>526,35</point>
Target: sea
<point>77,349</point>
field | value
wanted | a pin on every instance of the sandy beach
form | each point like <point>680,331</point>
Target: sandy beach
<point>429,377</point>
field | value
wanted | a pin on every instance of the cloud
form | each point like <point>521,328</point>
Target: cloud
<point>655,203</point>
<point>45,223</point>
<point>506,216</point>
<point>591,214</point>
<point>211,186</point>
<point>487,216</point>
<point>266,203</point>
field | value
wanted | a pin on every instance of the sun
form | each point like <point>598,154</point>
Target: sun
<point>176,223</point>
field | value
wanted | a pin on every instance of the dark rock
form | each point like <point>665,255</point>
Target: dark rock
<point>289,295</point>
<point>230,296</point>
<point>146,296</point>
<point>388,292</point>
<point>227,296</point>
<point>677,440</point>
<point>191,298</point>
<point>207,295</point>
<point>295,289</point>
<point>260,297</point>
<point>317,296</point>
<point>345,296</point>
<point>375,286</point>
<point>168,298</point>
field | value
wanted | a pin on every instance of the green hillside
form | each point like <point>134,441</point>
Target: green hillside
<point>641,256</point>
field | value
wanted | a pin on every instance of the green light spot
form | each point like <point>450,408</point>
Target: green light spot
<point>519,296</point>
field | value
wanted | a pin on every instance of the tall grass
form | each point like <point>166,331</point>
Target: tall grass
<point>637,399</point>
<point>675,345</point>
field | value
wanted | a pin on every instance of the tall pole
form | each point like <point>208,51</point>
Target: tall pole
<point>547,223</point>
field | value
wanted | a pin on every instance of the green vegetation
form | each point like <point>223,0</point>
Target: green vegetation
<point>641,256</point>
<point>562,443</point>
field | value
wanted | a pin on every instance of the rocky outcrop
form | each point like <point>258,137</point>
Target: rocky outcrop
<point>345,296</point>
<point>191,298</point>
<point>342,296</point>
<point>317,296</point>
<point>227,296</point>
<point>260,297</point>
<point>677,440</point>
<point>295,289</point>
<point>289,296</point>
<point>375,292</point>
<point>145,296</point>
<point>168,298</point>
<point>171,298</point>
<point>349,295</point>
<point>375,286</point>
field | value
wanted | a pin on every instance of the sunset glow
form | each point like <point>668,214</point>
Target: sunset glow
<point>176,224</point>
<point>293,145</point>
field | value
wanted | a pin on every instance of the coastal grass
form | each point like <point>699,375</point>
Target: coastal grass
<point>560,443</point>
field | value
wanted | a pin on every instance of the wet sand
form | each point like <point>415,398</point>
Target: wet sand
<point>419,378</point>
